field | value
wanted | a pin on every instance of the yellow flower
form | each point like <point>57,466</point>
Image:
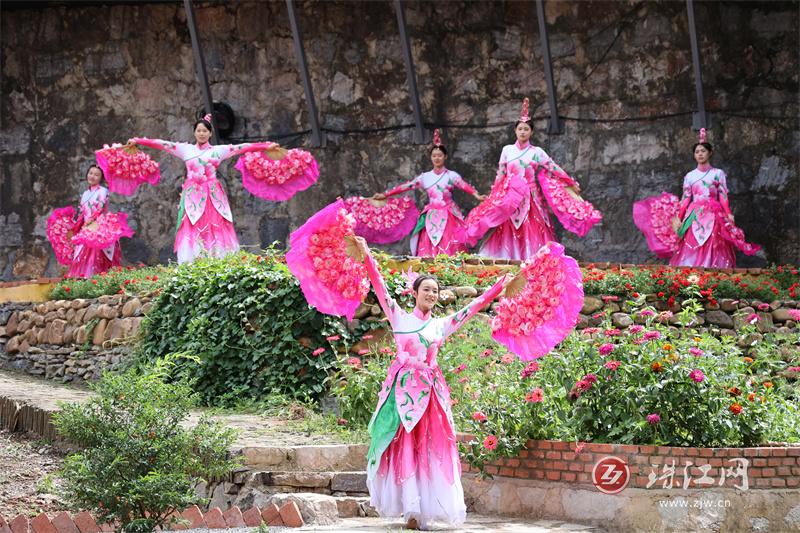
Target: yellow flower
<point>667,347</point>
<point>698,339</point>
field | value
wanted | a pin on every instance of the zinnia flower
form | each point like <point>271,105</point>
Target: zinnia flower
<point>752,318</point>
<point>795,314</point>
<point>318,351</point>
<point>612,365</point>
<point>657,367</point>
<point>355,362</point>
<point>528,371</point>
<point>697,375</point>
<point>507,359</point>
<point>653,419</point>
<point>613,332</point>
<point>650,335</point>
<point>490,442</point>
<point>697,352</point>
<point>534,396</point>
<point>735,408</point>
<point>478,416</point>
<point>460,368</point>
<point>333,338</point>
<point>606,348</point>
<point>636,328</point>
<point>487,352</point>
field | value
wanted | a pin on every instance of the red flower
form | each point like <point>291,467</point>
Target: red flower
<point>478,416</point>
<point>735,408</point>
<point>67,289</point>
<point>94,282</point>
<point>490,442</point>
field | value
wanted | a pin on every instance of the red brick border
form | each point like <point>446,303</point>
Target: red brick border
<point>654,467</point>
<point>288,515</point>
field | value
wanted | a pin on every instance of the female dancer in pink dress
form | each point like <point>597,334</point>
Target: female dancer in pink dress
<point>440,229</point>
<point>529,227</point>
<point>413,468</point>
<point>90,244</point>
<point>205,221</point>
<point>703,233</point>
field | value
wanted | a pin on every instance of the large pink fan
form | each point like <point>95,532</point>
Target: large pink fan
<point>653,216</point>
<point>331,280</point>
<point>506,195</point>
<point>383,222</point>
<point>531,322</point>
<point>126,167</point>
<point>575,214</point>
<point>735,235</point>
<point>105,230</point>
<point>277,174</point>
<point>60,225</point>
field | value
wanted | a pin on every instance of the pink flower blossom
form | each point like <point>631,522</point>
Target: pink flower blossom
<point>612,365</point>
<point>507,359</point>
<point>598,316</point>
<point>795,314</point>
<point>460,368</point>
<point>697,352</point>
<point>697,375</point>
<point>646,312</point>
<point>355,362</point>
<point>664,315</point>
<point>583,385</point>
<point>653,419</point>
<point>363,351</point>
<point>794,369</point>
<point>535,396</point>
<point>605,349</point>
<point>318,351</point>
<point>529,370</point>
<point>463,380</point>
<point>763,307</point>
<point>652,334</point>
<point>478,416</point>
<point>487,352</point>
<point>490,442</point>
<point>333,338</point>
<point>636,328</point>
<point>590,378</point>
<point>752,318</point>
<point>613,332</point>
<point>590,331</point>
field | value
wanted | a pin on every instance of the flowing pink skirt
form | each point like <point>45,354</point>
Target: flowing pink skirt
<point>452,242</point>
<point>89,261</point>
<point>508,242</point>
<point>716,252</point>
<point>420,473</point>
<point>212,234</point>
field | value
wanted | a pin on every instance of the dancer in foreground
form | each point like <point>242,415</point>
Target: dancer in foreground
<point>413,468</point>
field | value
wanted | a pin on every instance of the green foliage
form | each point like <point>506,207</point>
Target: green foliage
<point>249,326</point>
<point>138,464</point>
<point>118,280</point>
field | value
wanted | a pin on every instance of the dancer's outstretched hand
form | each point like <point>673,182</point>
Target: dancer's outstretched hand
<point>379,196</point>
<point>356,247</point>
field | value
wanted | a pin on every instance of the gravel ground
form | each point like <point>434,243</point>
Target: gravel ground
<point>27,476</point>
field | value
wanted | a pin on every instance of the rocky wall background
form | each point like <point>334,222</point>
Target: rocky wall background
<point>77,76</point>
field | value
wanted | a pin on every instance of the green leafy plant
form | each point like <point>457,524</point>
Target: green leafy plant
<point>137,463</point>
<point>249,327</point>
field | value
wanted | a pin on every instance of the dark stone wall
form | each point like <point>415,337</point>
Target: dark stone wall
<point>76,76</point>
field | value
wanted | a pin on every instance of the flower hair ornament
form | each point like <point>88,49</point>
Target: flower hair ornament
<point>411,277</point>
<point>207,117</point>
<point>524,115</point>
<point>702,137</point>
<point>437,140</point>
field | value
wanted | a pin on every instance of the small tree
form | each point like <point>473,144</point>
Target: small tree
<point>138,464</point>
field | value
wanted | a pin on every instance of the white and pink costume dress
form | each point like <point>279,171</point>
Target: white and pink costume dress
<point>88,260</point>
<point>413,468</point>
<point>707,236</point>
<point>205,221</point>
<point>440,229</point>
<point>528,227</point>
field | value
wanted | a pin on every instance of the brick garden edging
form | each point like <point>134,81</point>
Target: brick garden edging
<point>288,515</point>
<point>767,467</point>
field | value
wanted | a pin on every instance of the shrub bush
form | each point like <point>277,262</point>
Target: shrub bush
<point>138,464</point>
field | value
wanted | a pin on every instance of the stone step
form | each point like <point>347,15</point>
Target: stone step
<point>309,458</point>
<point>321,509</point>
<point>336,483</point>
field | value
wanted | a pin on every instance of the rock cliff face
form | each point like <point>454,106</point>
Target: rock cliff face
<point>77,76</point>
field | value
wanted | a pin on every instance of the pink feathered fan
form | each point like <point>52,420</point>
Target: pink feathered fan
<point>532,320</point>
<point>277,174</point>
<point>126,167</point>
<point>383,222</point>
<point>330,279</point>
<point>60,225</point>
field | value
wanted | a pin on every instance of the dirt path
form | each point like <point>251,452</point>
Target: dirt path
<point>28,477</point>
